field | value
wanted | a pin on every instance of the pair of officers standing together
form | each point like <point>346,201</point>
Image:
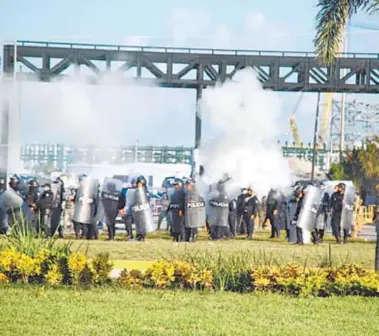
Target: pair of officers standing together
<point>339,206</point>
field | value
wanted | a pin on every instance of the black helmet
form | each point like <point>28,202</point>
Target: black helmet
<point>141,179</point>
<point>14,180</point>
<point>33,183</point>
<point>59,180</point>
<point>178,182</point>
<point>82,177</point>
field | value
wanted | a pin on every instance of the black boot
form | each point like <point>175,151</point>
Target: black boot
<point>345,236</point>
<point>321,232</point>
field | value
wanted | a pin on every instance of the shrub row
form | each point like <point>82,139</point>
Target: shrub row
<point>291,279</point>
<point>53,268</point>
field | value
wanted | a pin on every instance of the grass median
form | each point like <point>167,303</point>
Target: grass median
<point>108,311</point>
<point>159,246</point>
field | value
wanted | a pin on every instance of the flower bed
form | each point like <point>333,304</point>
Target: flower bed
<point>74,269</point>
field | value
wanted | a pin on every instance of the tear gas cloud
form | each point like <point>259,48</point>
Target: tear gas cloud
<point>117,111</point>
<point>246,120</point>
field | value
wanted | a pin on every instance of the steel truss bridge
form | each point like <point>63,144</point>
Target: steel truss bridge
<point>59,156</point>
<point>192,68</point>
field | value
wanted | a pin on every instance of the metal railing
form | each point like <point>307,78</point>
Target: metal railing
<point>207,51</point>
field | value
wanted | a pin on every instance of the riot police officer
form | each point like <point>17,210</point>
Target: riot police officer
<point>176,211</point>
<point>336,207</point>
<point>110,198</point>
<point>233,217</point>
<point>32,199</point>
<point>45,206</point>
<point>250,209</point>
<point>299,230</point>
<point>141,209</point>
<point>57,208</point>
<point>272,213</point>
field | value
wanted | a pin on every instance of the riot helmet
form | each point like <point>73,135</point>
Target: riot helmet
<point>178,183</point>
<point>82,177</point>
<point>33,185</point>
<point>341,187</point>
<point>14,182</point>
<point>47,186</point>
<point>141,181</point>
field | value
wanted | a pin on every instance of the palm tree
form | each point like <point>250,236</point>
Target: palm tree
<point>331,21</point>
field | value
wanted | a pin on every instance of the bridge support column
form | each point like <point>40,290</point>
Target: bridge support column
<point>199,94</point>
<point>4,128</point>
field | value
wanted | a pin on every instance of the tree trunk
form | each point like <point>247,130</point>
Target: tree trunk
<point>377,247</point>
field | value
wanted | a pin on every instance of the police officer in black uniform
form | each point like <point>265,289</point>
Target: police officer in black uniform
<point>250,210</point>
<point>111,203</point>
<point>32,199</point>
<point>272,213</point>
<point>336,207</point>
<point>232,219</point>
<point>57,210</point>
<point>299,230</point>
<point>15,215</point>
<point>45,209</point>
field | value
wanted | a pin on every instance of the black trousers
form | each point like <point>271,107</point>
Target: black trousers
<point>191,234</point>
<point>232,224</point>
<point>79,230</point>
<point>274,220</point>
<point>336,228</point>
<point>55,222</point>
<point>128,220</point>
<point>299,235</point>
<point>111,229</point>
<point>44,225</point>
<point>249,224</point>
<point>88,231</point>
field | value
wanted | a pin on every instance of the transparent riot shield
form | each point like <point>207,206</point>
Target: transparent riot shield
<point>142,212</point>
<point>56,190</point>
<point>218,211</point>
<point>86,201</point>
<point>194,212</point>
<point>348,208</point>
<point>308,212</point>
<point>110,197</point>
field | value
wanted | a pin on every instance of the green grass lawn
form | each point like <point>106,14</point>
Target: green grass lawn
<point>31,311</point>
<point>159,245</point>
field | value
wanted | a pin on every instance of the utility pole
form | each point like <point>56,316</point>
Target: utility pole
<point>315,137</point>
<point>343,99</point>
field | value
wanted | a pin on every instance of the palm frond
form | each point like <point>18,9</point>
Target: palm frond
<point>331,21</point>
<point>373,7</point>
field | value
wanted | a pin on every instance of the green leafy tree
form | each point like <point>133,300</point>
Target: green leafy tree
<point>331,21</point>
<point>369,158</point>
<point>337,171</point>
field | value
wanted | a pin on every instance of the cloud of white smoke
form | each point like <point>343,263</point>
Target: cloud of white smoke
<point>245,118</point>
<point>117,111</point>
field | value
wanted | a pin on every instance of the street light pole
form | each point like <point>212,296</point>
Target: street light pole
<point>315,137</point>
